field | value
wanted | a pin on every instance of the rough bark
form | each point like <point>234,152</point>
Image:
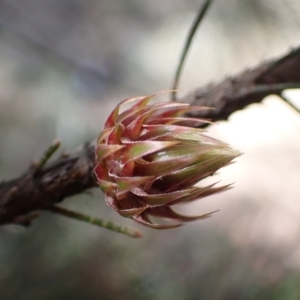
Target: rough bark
<point>23,197</point>
<point>251,86</point>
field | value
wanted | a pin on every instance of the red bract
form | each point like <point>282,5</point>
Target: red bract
<point>150,157</point>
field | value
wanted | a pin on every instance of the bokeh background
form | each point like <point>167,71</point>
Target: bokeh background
<point>64,64</point>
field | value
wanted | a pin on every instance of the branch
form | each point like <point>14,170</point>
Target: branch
<point>22,198</point>
<point>251,86</point>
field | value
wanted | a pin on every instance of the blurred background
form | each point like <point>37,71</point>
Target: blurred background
<point>64,64</point>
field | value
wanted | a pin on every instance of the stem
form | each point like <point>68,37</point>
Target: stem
<point>187,44</point>
<point>132,232</point>
<point>284,98</point>
<point>267,88</point>
<point>46,156</point>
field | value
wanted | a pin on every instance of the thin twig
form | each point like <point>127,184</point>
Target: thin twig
<point>287,100</point>
<point>132,232</point>
<point>268,88</point>
<point>46,156</point>
<point>187,44</point>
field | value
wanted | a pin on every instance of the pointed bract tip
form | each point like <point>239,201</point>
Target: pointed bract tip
<point>150,157</point>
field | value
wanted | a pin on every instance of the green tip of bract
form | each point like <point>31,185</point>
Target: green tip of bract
<point>149,158</point>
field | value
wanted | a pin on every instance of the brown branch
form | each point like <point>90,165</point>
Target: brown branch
<point>251,86</point>
<point>22,197</point>
<point>35,191</point>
